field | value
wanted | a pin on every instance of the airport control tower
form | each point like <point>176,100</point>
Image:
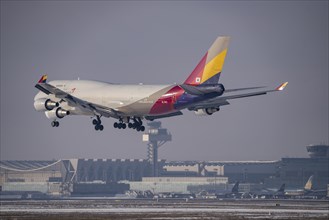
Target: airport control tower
<point>156,137</point>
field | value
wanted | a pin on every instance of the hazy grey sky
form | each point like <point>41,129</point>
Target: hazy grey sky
<point>161,42</point>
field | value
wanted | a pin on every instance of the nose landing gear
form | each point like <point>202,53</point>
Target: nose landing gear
<point>54,123</point>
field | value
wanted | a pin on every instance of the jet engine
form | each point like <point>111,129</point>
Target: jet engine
<point>45,105</point>
<point>57,113</point>
<point>206,111</point>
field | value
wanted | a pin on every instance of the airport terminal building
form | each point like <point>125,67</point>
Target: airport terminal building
<point>112,176</point>
<point>296,171</point>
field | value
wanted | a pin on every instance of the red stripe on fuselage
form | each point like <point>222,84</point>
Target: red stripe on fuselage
<point>165,104</point>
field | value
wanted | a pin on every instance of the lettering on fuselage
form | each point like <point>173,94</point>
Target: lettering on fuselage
<point>145,101</point>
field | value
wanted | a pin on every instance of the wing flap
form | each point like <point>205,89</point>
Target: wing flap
<point>164,116</point>
<point>241,89</point>
<point>244,95</point>
<point>208,104</point>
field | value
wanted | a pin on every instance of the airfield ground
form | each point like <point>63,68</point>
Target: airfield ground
<point>163,209</point>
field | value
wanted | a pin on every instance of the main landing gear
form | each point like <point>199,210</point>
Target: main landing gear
<point>120,125</point>
<point>98,124</point>
<point>137,124</point>
<point>54,123</point>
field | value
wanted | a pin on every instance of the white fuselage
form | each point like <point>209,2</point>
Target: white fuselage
<point>115,96</point>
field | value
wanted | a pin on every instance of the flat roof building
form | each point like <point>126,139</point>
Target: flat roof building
<point>294,172</point>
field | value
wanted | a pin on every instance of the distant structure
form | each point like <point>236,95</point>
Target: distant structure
<point>114,176</point>
<point>50,177</point>
<point>112,170</point>
<point>156,137</point>
<point>296,171</point>
<point>318,151</point>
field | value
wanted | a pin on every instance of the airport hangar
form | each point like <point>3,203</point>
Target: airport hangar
<point>112,176</point>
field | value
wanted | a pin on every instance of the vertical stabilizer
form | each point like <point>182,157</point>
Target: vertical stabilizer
<point>309,184</point>
<point>235,188</point>
<point>43,79</point>
<point>210,67</point>
<point>282,188</point>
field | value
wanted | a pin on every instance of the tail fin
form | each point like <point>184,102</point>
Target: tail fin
<point>282,188</point>
<point>235,188</point>
<point>43,79</point>
<point>210,67</point>
<point>309,184</point>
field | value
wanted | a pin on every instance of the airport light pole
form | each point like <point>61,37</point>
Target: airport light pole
<point>216,179</point>
<point>186,170</point>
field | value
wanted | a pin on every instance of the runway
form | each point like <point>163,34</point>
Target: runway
<point>164,209</point>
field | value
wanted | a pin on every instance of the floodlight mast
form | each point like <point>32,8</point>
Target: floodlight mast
<point>156,137</point>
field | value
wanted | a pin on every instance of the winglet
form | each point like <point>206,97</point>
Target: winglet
<point>43,79</point>
<point>282,86</point>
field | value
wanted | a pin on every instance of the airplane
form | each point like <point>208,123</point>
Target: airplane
<point>234,193</point>
<point>271,193</point>
<point>201,92</point>
<point>307,191</point>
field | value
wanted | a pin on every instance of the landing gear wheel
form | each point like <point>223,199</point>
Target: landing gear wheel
<point>97,127</point>
<point>124,126</point>
<point>142,128</point>
<point>115,125</point>
<point>98,123</point>
<point>54,124</point>
<point>130,125</point>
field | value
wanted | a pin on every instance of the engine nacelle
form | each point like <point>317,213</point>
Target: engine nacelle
<point>205,111</point>
<point>213,88</point>
<point>57,113</point>
<point>45,105</point>
<point>60,113</point>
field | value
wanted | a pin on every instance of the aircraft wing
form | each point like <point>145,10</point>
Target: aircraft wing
<point>234,94</point>
<point>76,102</point>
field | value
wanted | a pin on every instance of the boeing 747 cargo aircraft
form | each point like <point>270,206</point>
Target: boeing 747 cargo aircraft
<point>131,104</point>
